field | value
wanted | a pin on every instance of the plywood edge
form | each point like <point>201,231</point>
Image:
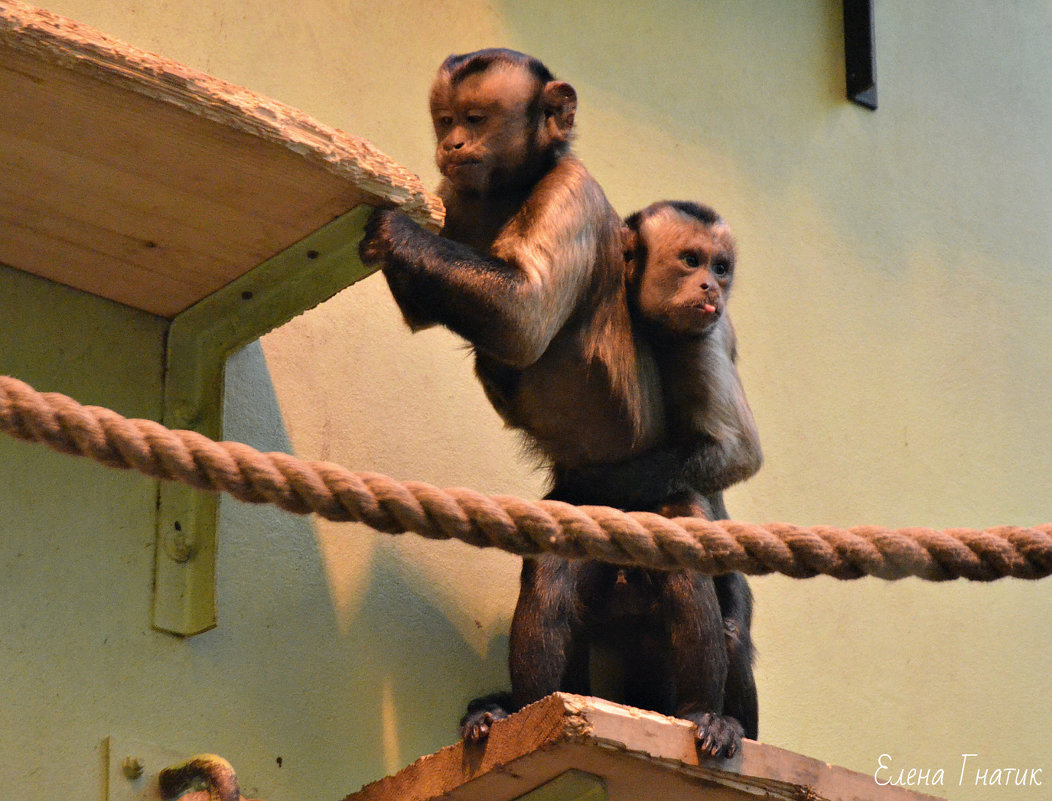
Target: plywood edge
<point>759,766</point>
<point>537,726</point>
<point>83,49</point>
<point>621,736</point>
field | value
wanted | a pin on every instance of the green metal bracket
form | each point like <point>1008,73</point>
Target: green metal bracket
<point>199,341</point>
<point>574,785</point>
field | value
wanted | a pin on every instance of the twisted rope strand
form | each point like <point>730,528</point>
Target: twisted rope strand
<point>513,524</point>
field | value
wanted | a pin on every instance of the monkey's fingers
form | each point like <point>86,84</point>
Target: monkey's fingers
<point>476,728</point>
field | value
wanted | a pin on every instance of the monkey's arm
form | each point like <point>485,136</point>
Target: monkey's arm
<point>714,442</point>
<point>437,280</point>
<point>723,444</point>
<point>645,481</point>
<point>511,303</point>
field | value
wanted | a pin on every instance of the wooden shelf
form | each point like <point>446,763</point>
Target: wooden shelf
<point>134,178</point>
<point>140,180</point>
<point>570,747</point>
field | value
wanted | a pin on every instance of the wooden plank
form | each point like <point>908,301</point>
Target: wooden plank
<point>637,754</point>
<point>110,200</point>
<point>135,178</point>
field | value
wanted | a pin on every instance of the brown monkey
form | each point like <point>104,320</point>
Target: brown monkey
<point>529,265</point>
<point>685,636</point>
<point>681,260</point>
<point>530,269</point>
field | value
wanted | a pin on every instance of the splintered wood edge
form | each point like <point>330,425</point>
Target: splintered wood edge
<point>573,721</point>
<point>85,50</point>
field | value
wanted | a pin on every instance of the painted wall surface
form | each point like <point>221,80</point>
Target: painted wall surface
<point>893,310</point>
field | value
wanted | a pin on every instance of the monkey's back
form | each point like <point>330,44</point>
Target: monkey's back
<point>593,395</point>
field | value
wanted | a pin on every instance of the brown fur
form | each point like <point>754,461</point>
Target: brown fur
<point>684,636</point>
<point>529,266</point>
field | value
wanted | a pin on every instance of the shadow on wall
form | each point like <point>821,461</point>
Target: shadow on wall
<point>390,659</point>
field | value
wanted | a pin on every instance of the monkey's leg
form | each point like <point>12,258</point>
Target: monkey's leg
<point>547,649</point>
<point>648,683</point>
<point>740,699</point>
<point>739,696</point>
<point>699,660</point>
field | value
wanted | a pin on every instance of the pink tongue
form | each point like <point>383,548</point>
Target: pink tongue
<point>709,308</point>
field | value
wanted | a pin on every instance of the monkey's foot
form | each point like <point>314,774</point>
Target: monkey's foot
<point>481,714</point>
<point>474,728</point>
<point>717,735</point>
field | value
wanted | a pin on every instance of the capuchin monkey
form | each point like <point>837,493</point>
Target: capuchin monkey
<point>685,637</point>
<point>681,260</point>
<point>530,269</point>
<point>529,266</point>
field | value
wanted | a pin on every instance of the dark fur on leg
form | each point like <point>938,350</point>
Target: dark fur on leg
<point>739,696</point>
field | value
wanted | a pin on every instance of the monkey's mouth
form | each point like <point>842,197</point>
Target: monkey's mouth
<point>706,308</point>
<point>459,166</point>
<point>700,317</point>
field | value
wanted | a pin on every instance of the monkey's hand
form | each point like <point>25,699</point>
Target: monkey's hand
<point>717,736</point>
<point>377,244</point>
<point>388,233</point>
<point>686,503</point>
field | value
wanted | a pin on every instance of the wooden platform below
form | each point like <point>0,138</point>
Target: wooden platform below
<point>635,754</point>
<point>140,180</point>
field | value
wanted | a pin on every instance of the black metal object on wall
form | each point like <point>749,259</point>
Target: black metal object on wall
<point>860,59</point>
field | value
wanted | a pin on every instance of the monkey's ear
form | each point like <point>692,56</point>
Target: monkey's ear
<point>560,106</point>
<point>630,249</point>
<point>629,240</point>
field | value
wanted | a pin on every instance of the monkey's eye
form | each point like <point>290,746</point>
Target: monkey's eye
<point>476,119</point>
<point>721,268</point>
<point>444,120</point>
<point>690,259</point>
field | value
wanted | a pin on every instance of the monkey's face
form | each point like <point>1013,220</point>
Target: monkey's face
<point>493,128</point>
<point>688,272</point>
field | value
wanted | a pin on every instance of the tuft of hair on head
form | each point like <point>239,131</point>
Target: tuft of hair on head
<point>459,67</point>
<point>699,211</point>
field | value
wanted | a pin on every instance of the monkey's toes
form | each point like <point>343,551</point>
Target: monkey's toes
<point>718,736</point>
<point>475,726</point>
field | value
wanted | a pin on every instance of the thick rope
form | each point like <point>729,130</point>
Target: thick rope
<point>512,524</point>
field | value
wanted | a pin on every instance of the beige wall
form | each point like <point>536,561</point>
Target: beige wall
<point>893,307</point>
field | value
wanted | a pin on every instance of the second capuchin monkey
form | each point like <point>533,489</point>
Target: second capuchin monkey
<point>682,259</point>
<point>685,637</point>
